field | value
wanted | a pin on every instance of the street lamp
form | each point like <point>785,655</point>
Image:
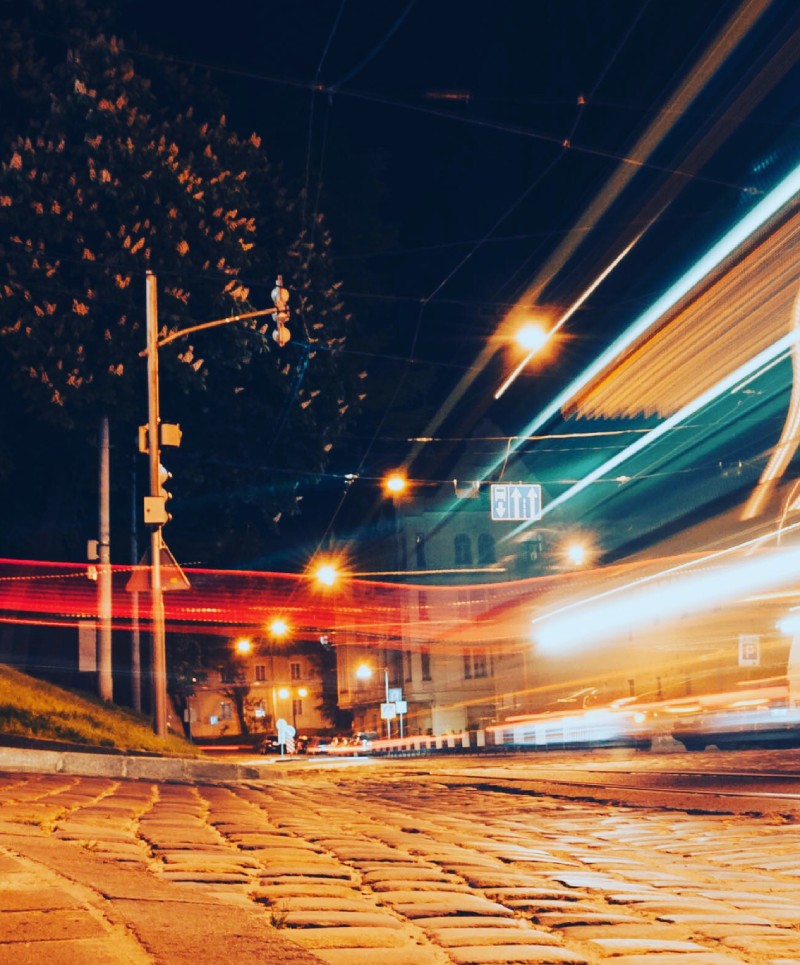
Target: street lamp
<point>155,512</point>
<point>364,672</point>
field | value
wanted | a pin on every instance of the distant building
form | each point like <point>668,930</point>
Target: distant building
<point>445,547</point>
<point>262,687</point>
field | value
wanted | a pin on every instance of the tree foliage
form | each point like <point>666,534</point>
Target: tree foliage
<point>106,173</point>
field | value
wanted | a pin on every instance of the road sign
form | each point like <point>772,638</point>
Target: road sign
<point>172,576</point>
<point>395,694</point>
<point>388,711</point>
<point>515,502</point>
<point>286,734</point>
<point>749,650</point>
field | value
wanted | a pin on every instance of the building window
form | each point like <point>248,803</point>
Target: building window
<point>409,668</point>
<point>425,657</point>
<point>463,550</point>
<point>227,675</point>
<point>225,710</point>
<point>477,664</point>
<point>297,708</point>
<point>419,546</point>
<point>294,671</point>
<point>261,672</point>
<point>486,551</point>
<point>530,551</point>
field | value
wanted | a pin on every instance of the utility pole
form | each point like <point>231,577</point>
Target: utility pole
<point>136,636</point>
<point>105,683</point>
<point>159,648</point>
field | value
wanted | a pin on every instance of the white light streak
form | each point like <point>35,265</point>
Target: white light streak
<point>683,594</point>
<point>781,195</point>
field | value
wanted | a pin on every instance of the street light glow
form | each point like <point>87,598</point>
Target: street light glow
<point>363,671</point>
<point>278,627</point>
<point>243,645</point>
<point>532,337</point>
<point>326,574</point>
<point>395,483</point>
<point>283,693</point>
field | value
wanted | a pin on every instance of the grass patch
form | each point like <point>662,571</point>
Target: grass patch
<point>37,709</point>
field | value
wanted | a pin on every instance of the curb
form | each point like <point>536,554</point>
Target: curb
<point>179,769</point>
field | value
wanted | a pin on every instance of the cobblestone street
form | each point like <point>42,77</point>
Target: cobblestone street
<point>369,865</point>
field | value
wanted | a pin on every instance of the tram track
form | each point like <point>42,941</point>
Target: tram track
<point>694,790</point>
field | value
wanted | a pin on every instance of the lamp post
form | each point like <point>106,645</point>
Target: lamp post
<point>155,505</point>
<point>364,672</point>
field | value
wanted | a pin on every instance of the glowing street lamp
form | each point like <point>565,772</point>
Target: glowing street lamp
<point>278,628</point>
<point>327,574</point>
<point>364,672</point>
<point>395,483</point>
<point>243,646</point>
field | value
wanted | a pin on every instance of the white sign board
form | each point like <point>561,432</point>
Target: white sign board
<point>388,711</point>
<point>401,706</point>
<point>515,502</point>
<point>749,650</point>
<point>395,694</point>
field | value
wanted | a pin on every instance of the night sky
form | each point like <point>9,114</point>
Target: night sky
<point>457,151</point>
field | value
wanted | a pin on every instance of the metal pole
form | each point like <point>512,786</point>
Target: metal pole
<point>159,654</point>
<point>105,683</point>
<point>388,722</point>
<point>136,649</point>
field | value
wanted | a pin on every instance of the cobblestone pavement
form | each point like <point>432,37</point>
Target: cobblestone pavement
<point>374,866</point>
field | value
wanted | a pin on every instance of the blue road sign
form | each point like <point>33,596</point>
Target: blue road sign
<point>515,502</point>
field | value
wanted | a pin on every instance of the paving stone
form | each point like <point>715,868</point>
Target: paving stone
<point>415,904</point>
<point>445,923</point>
<point>303,890</point>
<point>57,924</point>
<point>407,955</point>
<point>414,873</point>
<point>344,937</point>
<point>316,869</point>
<point>681,958</point>
<point>706,918</point>
<point>206,877</point>
<point>455,937</point>
<point>620,946</point>
<point>405,884</point>
<point>14,898</point>
<point>514,955</point>
<point>321,903</point>
<point>352,919</point>
<point>578,917</point>
<point>107,951</point>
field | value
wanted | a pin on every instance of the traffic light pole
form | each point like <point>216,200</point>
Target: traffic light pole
<point>155,514</point>
<point>159,647</point>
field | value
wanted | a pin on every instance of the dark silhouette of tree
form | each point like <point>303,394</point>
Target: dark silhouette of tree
<point>105,174</point>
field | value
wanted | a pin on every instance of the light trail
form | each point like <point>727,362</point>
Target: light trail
<point>569,313</point>
<point>725,385</point>
<point>678,589</point>
<point>783,194</point>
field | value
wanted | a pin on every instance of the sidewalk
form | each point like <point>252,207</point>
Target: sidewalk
<point>64,905</point>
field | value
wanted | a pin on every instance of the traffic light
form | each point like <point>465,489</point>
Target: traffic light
<point>280,299</point>
<point>155,507</point>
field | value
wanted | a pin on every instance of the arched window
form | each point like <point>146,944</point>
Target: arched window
<point>463,549</point>
<point>486,552</point>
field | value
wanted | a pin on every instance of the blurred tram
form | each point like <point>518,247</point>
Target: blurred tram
<point>597,727</point>
<point>757,717</point>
